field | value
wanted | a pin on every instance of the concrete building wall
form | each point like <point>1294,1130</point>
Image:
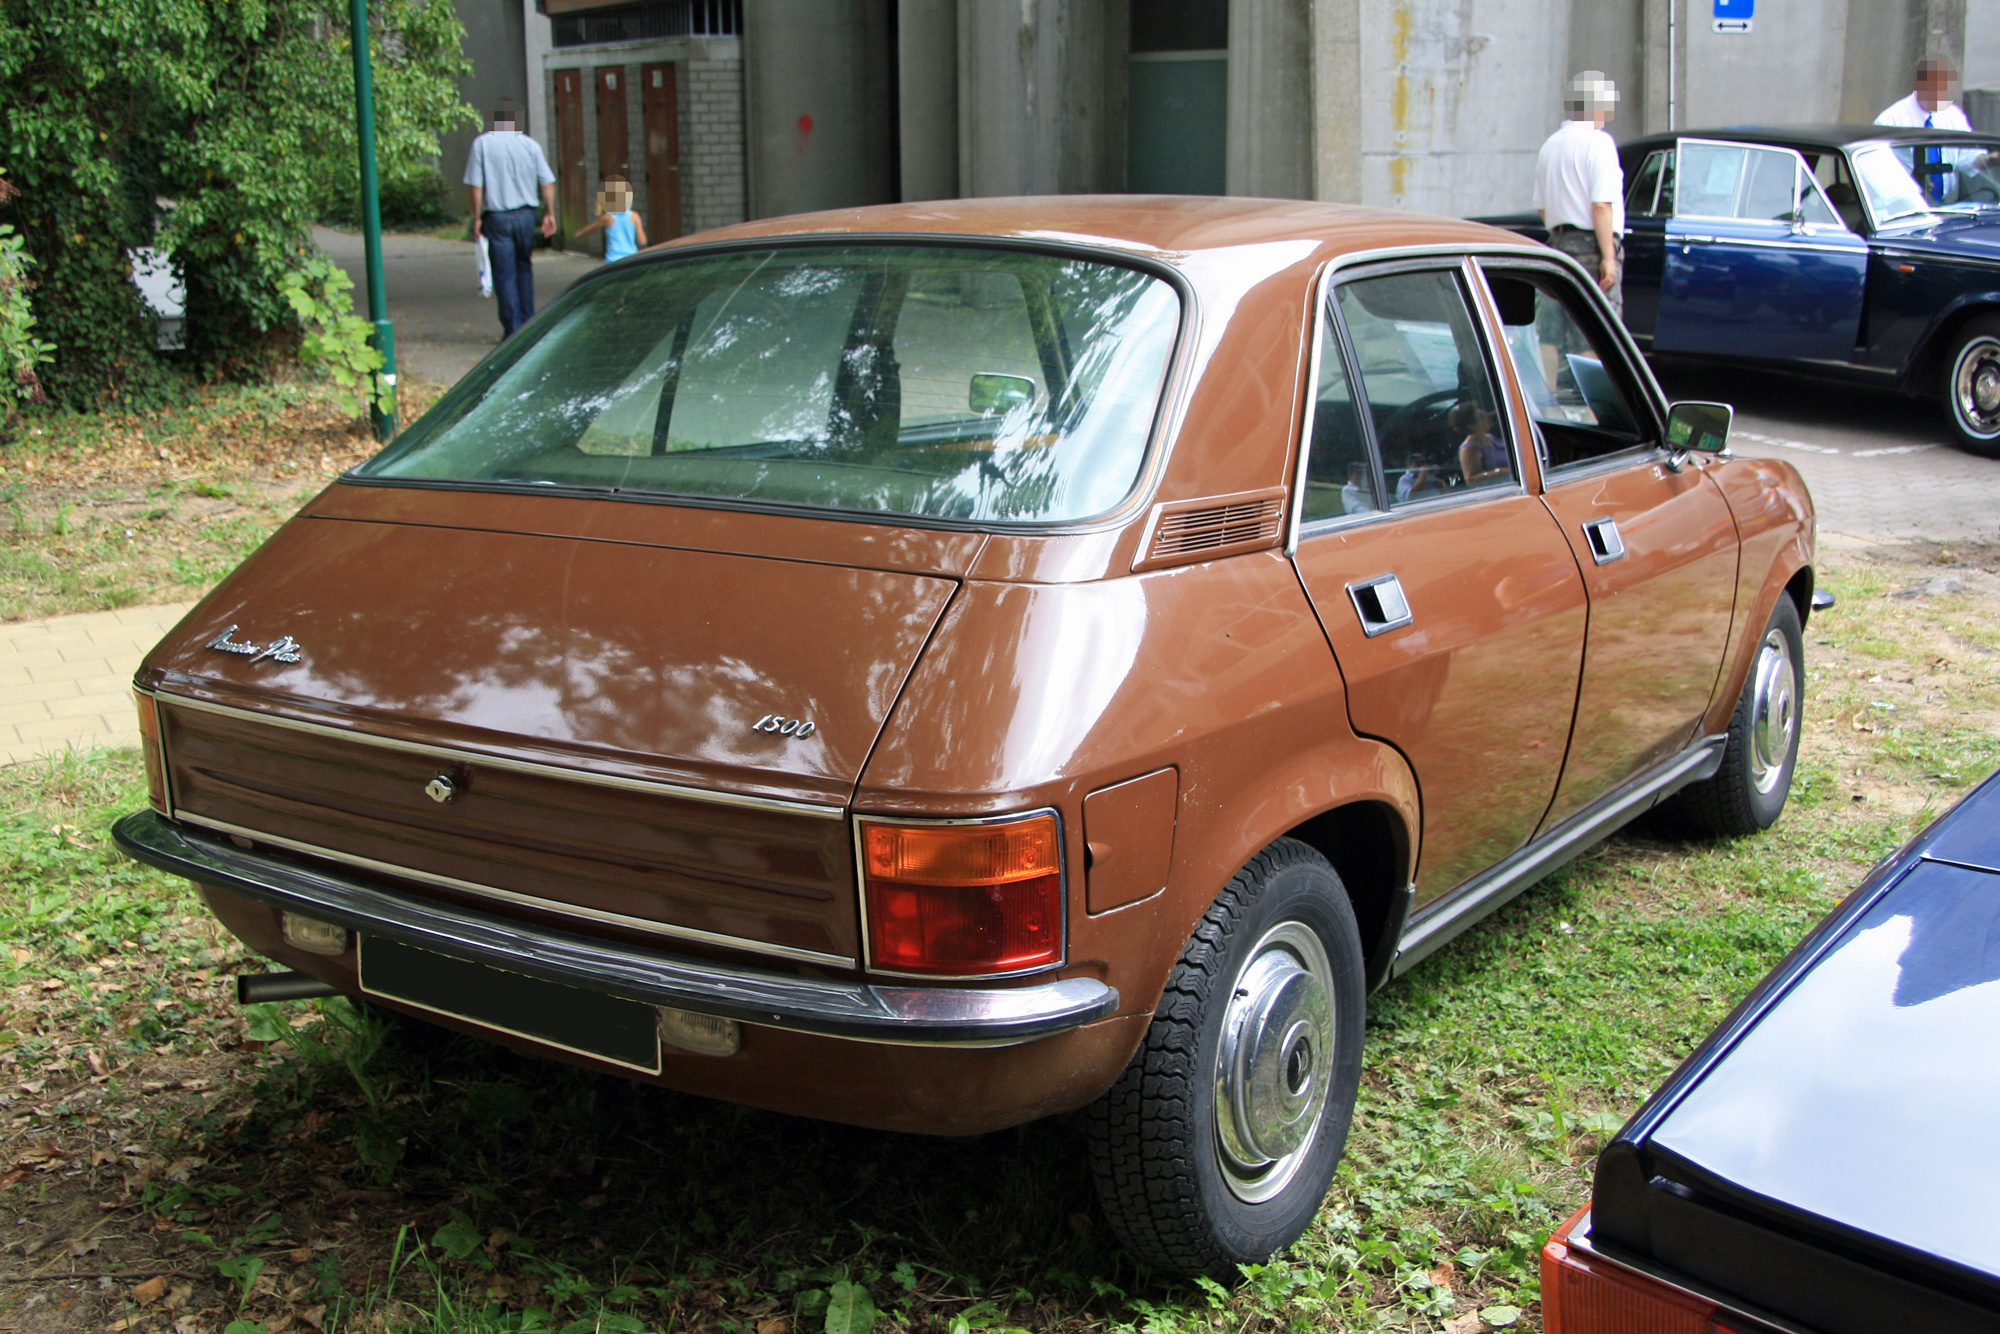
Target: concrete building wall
<point>1456,97</point>
<point>1982,44</point>
<point>1786,70</point>
<point>818,98</point>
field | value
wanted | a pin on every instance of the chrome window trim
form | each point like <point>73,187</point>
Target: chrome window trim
<point>825,1007</point>
<point>1385,260</point>
<point>1012,817</point>
<point>536,902</point>
<point>459,755</point>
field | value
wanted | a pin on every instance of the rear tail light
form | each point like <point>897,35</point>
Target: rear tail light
<point>1583,1293</point>
<point>965,898</point>
<point>156,760</point>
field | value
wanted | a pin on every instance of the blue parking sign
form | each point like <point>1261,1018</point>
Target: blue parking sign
<point>1735,9</point>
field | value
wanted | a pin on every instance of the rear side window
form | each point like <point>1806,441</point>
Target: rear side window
<point>1578,386</point>
<point>948,382</point>
<point>1340,475</point>
<point>1429,393</point>
<point>1652,192</point>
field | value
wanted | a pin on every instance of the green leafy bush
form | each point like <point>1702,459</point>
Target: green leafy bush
<point>21,352</point>
<point>200,127</point>
<point>336,341</point>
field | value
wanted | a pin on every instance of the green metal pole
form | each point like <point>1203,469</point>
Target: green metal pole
<point>371,219</point>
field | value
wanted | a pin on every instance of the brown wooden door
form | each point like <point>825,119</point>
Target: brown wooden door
<point>569,150</point>
<point>660,87</point>
<point>613,155</point>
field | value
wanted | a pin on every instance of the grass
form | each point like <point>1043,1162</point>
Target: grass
<point>313,1167</point>
<point>113,510</point>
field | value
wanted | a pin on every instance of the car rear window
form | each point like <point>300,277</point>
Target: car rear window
<point>940,381</point>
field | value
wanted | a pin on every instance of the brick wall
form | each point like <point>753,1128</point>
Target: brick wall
<point>714,188</point>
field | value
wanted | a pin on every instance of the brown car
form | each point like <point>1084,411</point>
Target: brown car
<point>937,666</point>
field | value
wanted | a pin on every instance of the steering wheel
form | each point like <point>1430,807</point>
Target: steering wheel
<point>1404,417</point>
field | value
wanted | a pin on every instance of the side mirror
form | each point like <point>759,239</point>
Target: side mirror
<point>1699,427</point>
<point>999,393</point>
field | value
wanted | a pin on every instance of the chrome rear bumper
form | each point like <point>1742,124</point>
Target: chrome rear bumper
<point>927,1016</point>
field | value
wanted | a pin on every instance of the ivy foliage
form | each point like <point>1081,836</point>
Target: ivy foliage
<point>21,352</point>
<point>207,128</point>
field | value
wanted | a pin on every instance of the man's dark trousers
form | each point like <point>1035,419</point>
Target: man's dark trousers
<point>510,245</point>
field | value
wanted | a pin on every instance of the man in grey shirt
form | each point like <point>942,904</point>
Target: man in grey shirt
<point>506,170</point>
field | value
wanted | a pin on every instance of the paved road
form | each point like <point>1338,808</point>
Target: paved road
<point>443,325</point>
<point>1881,466</point>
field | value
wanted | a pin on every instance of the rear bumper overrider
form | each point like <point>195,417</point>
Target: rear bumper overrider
<point>927,1015</point>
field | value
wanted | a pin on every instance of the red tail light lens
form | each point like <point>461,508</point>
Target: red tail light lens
<point>963,899</point>
<point>1583,1293</point>
<point>156,760</point>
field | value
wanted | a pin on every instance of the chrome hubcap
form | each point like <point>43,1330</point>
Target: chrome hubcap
<point>1975,387</point>
<point>1273,1062</point>
<point>1774,712</point>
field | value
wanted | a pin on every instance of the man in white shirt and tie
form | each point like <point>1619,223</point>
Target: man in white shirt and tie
<point>1929,105</point>
<point>1580,188</point>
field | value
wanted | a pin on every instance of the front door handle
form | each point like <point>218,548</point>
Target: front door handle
<point>1381,604</point>
<point>1605,543</point>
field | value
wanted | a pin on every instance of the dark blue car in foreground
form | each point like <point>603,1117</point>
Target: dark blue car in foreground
<point>1825,1160</point>
<point>1861,252</point>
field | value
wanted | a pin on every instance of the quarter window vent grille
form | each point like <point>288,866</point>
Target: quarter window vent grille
<point>1248,521</point>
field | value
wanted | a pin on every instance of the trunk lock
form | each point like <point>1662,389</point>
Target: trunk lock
<point>441,789</point>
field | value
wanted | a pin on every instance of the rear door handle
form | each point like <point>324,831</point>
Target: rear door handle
<point>1381,604</point>
<point>1605,543</point>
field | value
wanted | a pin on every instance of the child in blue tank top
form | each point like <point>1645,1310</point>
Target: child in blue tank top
<point>624,230</point>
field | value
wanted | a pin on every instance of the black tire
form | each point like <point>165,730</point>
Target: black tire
<point>1175,1181</point>
<point>1748,792</point>
<point>1972,386</point>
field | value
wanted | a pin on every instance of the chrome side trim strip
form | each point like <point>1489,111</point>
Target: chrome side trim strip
<point>813,809</point>
<point>525,900</point>
<point>923,1016</point>
<point>1432,927</point>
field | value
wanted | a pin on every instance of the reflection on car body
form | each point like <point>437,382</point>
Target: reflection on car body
<point>900,668</point>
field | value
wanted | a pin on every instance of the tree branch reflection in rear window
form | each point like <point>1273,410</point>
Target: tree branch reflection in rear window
<point>944,382</point>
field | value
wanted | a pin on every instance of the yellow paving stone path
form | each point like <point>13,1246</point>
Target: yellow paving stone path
<point>66,681</point>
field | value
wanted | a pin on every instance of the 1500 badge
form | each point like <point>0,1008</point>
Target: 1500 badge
<point>283,649</point>
<point>791,727</point>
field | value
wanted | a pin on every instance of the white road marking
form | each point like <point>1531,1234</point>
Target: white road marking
<point>1892,449</point>
<point>1783,443</point>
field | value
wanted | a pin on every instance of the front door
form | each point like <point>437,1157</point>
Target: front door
<point>661,89</point>
<point>570,150</point>
<point>1450,598</point>
<point>1653,537</point>
<point>1757,263</point>
<point>613,154</point>
<point>1648,206</point>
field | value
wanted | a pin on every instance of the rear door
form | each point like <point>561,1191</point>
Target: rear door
<point>1649,203</point>
<point>1451,600</point>
<point>1757,262</point>
<point>1653,536</point>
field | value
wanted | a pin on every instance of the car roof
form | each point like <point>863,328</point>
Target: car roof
<point>1813,136</point>
<point>1174,228</point>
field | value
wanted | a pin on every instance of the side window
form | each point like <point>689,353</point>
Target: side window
<point>1643,199</point>
<point>1769,192</point>
<point>1429,393</point>
<point>1340,477</point>
<point>1580,391</point>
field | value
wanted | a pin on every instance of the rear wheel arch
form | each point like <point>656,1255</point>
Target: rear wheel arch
<point>1799,588</point>
<point>1368,844</point>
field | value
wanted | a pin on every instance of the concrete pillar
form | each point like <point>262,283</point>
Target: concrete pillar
<point>1041,96</point>
<point>1607,35</point>
<point>817,103</point>
<point>927,97</point>
<point>536,44</point>
<point>1886,39</point>
<point>1336,100</point>
<point>1270,98</point>
<point>1662,101</point>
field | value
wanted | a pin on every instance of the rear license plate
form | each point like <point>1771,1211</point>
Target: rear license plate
<point>610,1028</point>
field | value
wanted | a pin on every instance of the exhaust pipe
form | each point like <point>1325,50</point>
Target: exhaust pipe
<point>255,989</point>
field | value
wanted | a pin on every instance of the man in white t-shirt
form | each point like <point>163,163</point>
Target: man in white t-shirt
<point>1579,186</point>
<point>1929,105</point>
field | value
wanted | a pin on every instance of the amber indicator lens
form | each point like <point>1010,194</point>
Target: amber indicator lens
<point>149,740</point>
<point>961,899</point>
<point>1585,1294</point>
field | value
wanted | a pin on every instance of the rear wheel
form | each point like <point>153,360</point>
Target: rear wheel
<point>1217,1144</point>
<point>1749,790</point>
<point>1972,386</point>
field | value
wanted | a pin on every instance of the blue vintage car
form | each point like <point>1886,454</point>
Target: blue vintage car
<point>1823,1161</point>
<point>1860,252</point>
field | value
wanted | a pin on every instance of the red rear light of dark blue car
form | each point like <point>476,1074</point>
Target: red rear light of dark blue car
<point>1583,1293</point>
